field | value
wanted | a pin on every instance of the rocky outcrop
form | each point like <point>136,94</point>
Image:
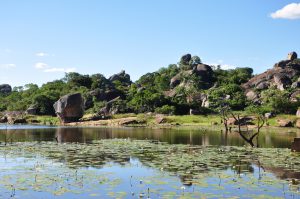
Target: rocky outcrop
<point>32,110</point>
<point>20,121</point>
<point>282,64</point>
<point>88,102</point>
<point>292,56</point>
<point>205,72</point>
<point>263,85</point>
<point>205,102</point>
<point>175,81</point>
<point>291,61</point>
<point>282,81</point>
<point>183,80</point>
<point>105,95</point>
<point>185,59</point>
<point>180,77</point>
<point>13,117</point>
<point>243,121</point>
<point>282,76</point>
<point>159,119</point>
<point>123,77</point>
<point>128,121</point>
<point>108,109</point>
<point>269,115</point>
<point>282,72</point>
<point>3,119</point>
<point>252,96</point>
<point>285,123</point>
<point>196,97</point>
<point>69,108</point>
<point>296,85</point>
<point>192,67</point>
<point>5,89</point>
<point>295,96</point>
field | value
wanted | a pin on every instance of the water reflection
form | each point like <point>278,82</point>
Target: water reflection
<point>194,136</point>
<point>224,167</point>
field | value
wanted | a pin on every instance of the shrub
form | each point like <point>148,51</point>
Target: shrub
<point>166,109</point>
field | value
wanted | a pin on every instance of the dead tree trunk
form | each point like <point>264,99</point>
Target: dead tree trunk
<point>224,118</point>
<point>260,123</point>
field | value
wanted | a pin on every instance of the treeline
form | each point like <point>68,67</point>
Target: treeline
<point>188,86</point>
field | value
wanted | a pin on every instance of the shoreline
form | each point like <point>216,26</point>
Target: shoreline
<point>157,121</point>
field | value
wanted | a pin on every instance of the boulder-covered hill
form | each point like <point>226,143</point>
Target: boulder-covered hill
<point>284,77</point>
<point>187,87</point>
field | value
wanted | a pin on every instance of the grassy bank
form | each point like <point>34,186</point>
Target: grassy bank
<point>187,120</point>
<point>42,120</point>
<point>150,120</point>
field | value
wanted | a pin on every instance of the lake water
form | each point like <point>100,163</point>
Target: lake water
<point>280,138</point>
<point>50,162</point>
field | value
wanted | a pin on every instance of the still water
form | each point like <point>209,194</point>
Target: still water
<point>50,162</point>
<point>280,138</point>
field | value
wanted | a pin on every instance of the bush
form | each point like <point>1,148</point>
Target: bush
<point>166,109</point>
<point>261,110</point>
<point>279,101</point>
<point>236,99</point>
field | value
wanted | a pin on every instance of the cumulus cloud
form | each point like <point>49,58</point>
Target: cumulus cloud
<point>227,66</point>
<point>65,70</point>
<point>222,65</point>
<point>41,54</point>
<point>290,11</point>
<point>7,66</point>
<point>41,65</point>
<point>48,69</point>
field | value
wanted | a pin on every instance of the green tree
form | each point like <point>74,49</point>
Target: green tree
<point>76,80</point>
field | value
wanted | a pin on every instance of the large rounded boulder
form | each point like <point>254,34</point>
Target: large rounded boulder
<point>292,56</point>
<point>205,72</point>
<point>5,89</point>
<point>69,108</point>
<point>185,59</point>
<point>282,81</point>
<point>122,76</point>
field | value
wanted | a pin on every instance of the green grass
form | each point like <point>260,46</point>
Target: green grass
<point>149,119</point>
<point>125,115</point>
<point>176,119</point>
<point>194,119</point>
<point>273,121</point>
<point>43,119</point>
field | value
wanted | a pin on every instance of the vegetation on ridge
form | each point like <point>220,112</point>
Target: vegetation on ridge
<point>177,89</point>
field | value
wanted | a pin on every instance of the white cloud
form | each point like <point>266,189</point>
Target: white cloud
<point>42,54</point>
<point>7,66</point>
<point>290,11</point>
<point>65,70</point>
<point>48,69</point>
<point>41,65</point>
<point>222,65</point>
<point>227,66</point>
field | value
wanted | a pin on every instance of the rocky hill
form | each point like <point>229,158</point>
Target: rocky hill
<point>284,76</point>
<point>187,87</point>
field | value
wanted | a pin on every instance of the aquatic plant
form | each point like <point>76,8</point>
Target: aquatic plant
<point>75,168</point>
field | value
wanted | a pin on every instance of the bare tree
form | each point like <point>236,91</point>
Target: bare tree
<point>224,114</point>
<point>260,121</point>
<point>246,134</point>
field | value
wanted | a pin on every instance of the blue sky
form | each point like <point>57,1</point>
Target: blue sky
<point>40,40</point>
